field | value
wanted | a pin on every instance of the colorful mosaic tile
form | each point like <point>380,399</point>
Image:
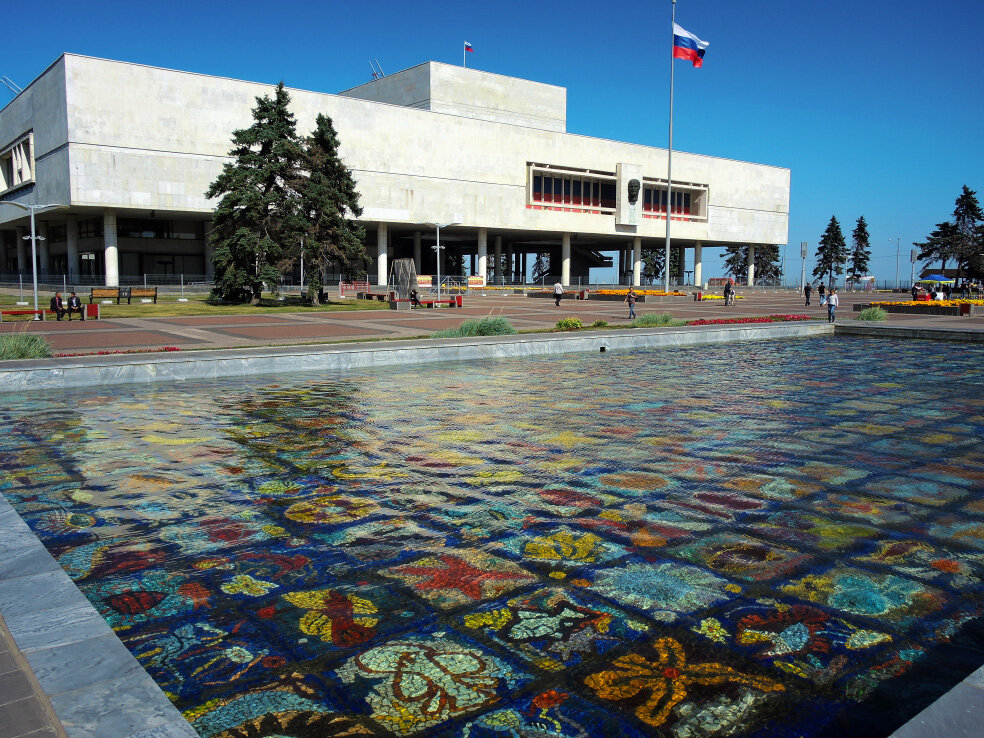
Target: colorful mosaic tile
<point>532,547</point>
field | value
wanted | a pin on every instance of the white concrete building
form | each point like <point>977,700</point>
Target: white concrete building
<point>128,151</point>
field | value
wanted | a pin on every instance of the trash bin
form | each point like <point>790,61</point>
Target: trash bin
<point>965,308</point>
<point>457,300</point>
<point>698,297</point>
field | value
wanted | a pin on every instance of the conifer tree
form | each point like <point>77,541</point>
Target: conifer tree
<point>257,220</point>
<point>940,245</point>
<point>329,201</point>
<point>652,263</point>
<point>967,218</point>
<point>766,262</point>
<point>831,252</point>
<point>861,251</point>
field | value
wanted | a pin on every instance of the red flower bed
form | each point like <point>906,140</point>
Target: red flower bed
<point>122,351</point>
<point>763,319</point>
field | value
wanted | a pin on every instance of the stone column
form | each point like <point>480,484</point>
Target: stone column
<point>637,261</point>
<point>3,251</point>
<point>417,263</point>
<point>698,271</point>
<point>565,259</point>
<point>751,265</point>
<point>22,246</point>
<point>510,272</point>
<point>72,247</point>
<point>522,267</point>
<point>209,250</point>
<point>112,254</point>
<point>44,262</point>
<point>483,253</point>
<point>681,264</point>
<point>382,254</point>
<point>497,265</point>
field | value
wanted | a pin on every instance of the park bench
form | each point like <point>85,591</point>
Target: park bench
<point>91,312</point>
<point>142,292</point>
<point>106,293</point>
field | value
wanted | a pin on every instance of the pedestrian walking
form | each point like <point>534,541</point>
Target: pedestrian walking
<point>558,293</point>
<point>832,302</point>
<point>729,294</point>
<point>808,290</point>
<point>630,299</point>
<point>821,290</point>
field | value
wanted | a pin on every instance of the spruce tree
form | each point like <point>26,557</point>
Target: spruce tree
<point>652,263</point>
<point>329,201</point>
<point>940,245</point>
<point>832,251</point>
<point>256,221</point>
<point>861,253</point>
<point>967,217</point>
<point>766,262</point>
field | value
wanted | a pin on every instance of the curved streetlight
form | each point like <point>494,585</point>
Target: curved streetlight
<point>437,250</point>
<point>33,239</point>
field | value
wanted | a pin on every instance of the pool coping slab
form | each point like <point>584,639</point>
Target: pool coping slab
<point>100,371</point>
<point>91,681</point>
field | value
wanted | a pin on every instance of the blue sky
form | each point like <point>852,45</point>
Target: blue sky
<point>877,107</point>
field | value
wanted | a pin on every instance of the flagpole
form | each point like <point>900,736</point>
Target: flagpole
<point>669,167</point>
<point>464,55</point>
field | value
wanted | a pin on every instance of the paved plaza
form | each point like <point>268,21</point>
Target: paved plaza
<point>215,332</point>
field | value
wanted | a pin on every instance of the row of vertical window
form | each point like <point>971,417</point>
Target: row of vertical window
<point>592,194</point>
<point>132,228</point>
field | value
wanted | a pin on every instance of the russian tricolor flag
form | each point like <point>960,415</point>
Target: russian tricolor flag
<point>687,46</point>
<point>468,47</point>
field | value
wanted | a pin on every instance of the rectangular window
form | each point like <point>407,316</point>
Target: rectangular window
<point>91,228</point>
<point>607,195</point>
<point>537,188</point>
<point>567,192</point>
<point>576,199</point>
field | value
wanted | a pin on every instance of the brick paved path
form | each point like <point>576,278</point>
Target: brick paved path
<point>228,331</point>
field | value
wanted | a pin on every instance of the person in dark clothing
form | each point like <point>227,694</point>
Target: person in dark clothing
<point>822,291</point>
<point>75,306</point>
<point>729,294</point>
<point>57,305</point>
<point>915,293</point>
<point>414,299</point>
<point>808,290</point>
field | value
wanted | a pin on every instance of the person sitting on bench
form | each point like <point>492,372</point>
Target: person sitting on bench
<point>57,305</point>
<point>75,306</point>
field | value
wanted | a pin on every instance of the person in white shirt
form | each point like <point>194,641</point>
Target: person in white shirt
<point>558,293</point>
<point>833,300</point>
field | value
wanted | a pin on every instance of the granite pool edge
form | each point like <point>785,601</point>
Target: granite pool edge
<point>91,680</point>
<point>101,371</point>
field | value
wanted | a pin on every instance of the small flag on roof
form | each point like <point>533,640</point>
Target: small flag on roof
<point>687,46</point>
<point>468,47</point>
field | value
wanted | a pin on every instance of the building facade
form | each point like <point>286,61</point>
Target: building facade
<point>125,153</point>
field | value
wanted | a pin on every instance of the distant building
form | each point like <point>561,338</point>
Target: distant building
<point>129,150</point>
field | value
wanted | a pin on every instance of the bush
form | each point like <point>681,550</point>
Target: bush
<point>23,346</point>
<point>569,324</point>
<point>873,313</point>
<point>482,327</point>
<point>599,324</point>
<point>654,320</point>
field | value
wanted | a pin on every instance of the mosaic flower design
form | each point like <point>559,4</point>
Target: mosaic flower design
<point>459,578</point>
<point>382,540</point>
<point>145,597</point>
<point>665,681</point>
<point>421,683</point>
<point>742,557</point>
<point>884,597</point>
<point>553,628</point>
<point>664,591</point>
<point>563,547</point>
<point>331,508</point>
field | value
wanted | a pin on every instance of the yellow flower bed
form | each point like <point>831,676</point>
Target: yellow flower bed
<point>718,297</point>
<point>656,293</point>
<point>931,303</point>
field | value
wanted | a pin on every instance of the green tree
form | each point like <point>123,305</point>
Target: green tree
<point>766,262</point>
<point>940,245</point>
<point>861,251</point>
<point>329,201</point>
<point>831,252</point>
<point>541,266</point>
<point>257,219</point>
<point>652,264</point>
<point>967,218</point>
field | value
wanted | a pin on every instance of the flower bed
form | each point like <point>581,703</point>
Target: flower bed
<point>761,319</point>
<point>120,351</point>
<point>705,297</point>
<point>654,293</point>
<point>927,303</point>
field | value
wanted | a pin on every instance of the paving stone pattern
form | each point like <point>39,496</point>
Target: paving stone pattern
<point>763,539</point>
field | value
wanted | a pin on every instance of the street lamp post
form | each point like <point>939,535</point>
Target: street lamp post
<point>437,252</point>
<point>898,249</point>
<point>32,209</point>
